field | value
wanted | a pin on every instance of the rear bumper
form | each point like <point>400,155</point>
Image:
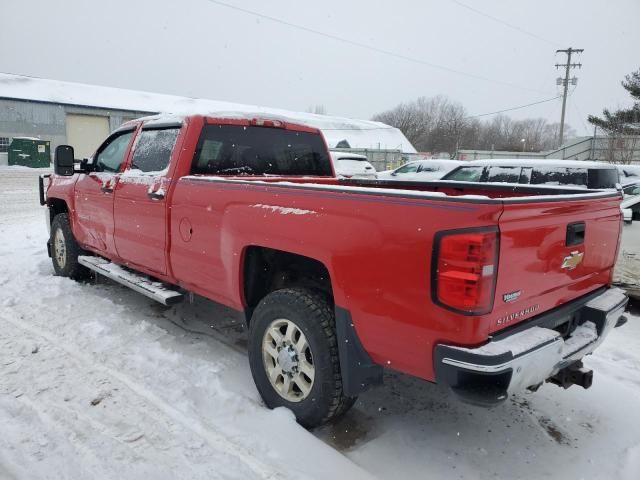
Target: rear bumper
<point>487,374</point>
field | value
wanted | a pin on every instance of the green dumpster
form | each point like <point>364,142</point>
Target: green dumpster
<point>29,152</point>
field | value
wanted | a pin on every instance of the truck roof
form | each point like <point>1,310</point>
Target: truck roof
<point>257,117</point>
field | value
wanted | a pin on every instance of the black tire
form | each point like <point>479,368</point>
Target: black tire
<point>313,315</point>
<point>66,263</point>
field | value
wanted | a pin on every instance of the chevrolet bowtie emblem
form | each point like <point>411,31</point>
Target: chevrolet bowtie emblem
<point>573,260</point>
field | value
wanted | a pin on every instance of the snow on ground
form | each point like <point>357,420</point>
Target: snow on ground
<point>96,381</point>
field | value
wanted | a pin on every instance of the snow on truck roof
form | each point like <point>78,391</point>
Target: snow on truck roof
<point>538,163</point>
<point>358,133</point>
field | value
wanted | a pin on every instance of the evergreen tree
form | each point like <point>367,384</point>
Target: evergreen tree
<point>622,121</point>
<point>622,126</point>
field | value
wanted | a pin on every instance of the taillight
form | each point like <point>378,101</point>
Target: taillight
<point>465,265</point>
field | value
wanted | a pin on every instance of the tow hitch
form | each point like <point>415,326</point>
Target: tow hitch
<point>574,374</point>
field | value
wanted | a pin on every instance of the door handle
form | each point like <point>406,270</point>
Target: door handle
<point>107,186</point>
<point>575,234</point>
<point>159,195</point>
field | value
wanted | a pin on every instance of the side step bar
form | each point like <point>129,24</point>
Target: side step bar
<point>141,284</point>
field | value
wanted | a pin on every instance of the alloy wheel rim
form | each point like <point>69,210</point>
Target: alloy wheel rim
<point>60,248</point>
<point>288,361</point>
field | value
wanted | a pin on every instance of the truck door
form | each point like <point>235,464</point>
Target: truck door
<point>94,192</point>
<point>140,206</point>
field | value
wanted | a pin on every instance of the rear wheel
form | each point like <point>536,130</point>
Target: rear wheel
<point>65,250</point>
<point>293,355</point>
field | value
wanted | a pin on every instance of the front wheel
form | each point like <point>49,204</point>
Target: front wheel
<point>65,250</point>
<point>293,354</point>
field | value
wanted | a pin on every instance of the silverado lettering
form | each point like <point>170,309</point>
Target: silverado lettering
<point>516,315</point>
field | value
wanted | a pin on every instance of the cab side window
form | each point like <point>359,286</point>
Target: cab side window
<point>153,149</point>
<point>110,157</point>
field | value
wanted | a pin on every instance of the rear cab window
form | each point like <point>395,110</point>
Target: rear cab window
<point>603,178</point>
<point>258,151</point>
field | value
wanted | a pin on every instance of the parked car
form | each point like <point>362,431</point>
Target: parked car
<point>420,170</point>
<point>627,271</point>
<point>565,173</point>
<point>630,205</point>
<point>487,289</point>
<point>352,165</point>
<point>629,173</point>
<point>631,189</point>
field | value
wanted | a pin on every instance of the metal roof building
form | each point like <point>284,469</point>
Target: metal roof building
<point>82,115</point>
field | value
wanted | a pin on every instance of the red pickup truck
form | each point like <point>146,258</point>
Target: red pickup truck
<point>487,289</point>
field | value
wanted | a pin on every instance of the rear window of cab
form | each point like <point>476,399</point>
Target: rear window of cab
<point>254,150</point>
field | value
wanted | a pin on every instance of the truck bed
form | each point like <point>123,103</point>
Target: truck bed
<point>377,240</point>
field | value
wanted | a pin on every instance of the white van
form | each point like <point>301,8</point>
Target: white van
<point>352,165</point>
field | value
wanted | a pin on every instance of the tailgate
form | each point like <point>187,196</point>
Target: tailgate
<point>552,252</point>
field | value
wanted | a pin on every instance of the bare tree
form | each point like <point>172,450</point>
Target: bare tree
<point>439,124</point>
<point>317,109</point>
<point>431,124</point>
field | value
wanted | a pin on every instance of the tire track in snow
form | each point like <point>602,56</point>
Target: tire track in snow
<point>214,439</point>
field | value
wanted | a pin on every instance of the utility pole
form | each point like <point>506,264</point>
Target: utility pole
<point>565,83</point>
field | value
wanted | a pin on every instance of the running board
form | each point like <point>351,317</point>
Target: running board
<point>140,283</point>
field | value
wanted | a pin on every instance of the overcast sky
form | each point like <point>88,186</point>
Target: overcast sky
<point>202,49</point>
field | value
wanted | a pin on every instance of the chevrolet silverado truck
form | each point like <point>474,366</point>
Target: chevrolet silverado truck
<point>487,289</point>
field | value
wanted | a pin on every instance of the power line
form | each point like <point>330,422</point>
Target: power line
<point>507,24</point>
<point>515,108</point>
<point>369,47</point>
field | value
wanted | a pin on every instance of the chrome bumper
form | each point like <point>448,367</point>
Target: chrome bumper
<point>487,374</point>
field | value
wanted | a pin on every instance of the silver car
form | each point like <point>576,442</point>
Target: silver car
<point>421,170</point>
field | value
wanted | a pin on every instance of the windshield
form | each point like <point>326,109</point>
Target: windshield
<point>465,174</point>
<point>408,168</point>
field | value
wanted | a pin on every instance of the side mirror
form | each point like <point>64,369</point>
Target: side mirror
<point>627,215</point>
<point>393,174</point>
<point>63,160</point>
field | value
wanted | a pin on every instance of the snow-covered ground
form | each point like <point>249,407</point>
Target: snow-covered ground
<point>99,382</point>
